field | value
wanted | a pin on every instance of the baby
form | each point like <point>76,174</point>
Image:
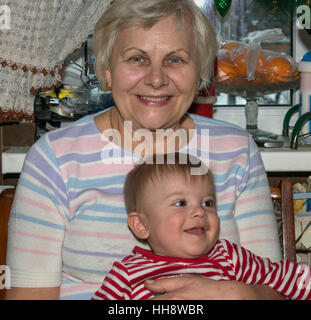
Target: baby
<point>174,211</point>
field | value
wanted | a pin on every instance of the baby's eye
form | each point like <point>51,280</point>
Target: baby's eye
<point>208,203</point>
<point>180,203</point>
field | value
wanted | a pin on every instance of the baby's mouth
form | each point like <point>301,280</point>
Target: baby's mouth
<point>196,230</point>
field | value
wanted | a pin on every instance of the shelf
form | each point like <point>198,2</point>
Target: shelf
<point>13,159</point>
<point>274,159</point>
<point>286,159</point>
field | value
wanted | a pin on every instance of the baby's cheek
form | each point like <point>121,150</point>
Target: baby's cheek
<point>174,222</point>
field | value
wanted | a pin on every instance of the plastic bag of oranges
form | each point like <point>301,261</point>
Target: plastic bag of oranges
<point>239,61</point>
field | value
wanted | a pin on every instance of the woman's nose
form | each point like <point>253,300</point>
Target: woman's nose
<point>156,76</point>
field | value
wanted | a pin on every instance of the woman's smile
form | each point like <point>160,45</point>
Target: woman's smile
<point>154,101</point>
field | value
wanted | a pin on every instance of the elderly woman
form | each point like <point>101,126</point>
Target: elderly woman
<point>68,222</point>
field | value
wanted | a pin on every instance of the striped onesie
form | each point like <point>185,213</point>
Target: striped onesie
<point>68,222</point>
<point>226,261</point>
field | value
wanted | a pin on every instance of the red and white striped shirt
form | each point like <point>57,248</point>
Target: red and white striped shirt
<point>226,261</point>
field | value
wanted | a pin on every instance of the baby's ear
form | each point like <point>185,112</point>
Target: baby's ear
<point>137,223</point>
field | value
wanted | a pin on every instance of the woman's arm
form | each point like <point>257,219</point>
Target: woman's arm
<point>37,225</point>
<point>199,288</point>
<point>32,293</point>
<point>254,213</point>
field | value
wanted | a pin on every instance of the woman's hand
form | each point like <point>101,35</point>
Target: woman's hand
<point>192,287</point>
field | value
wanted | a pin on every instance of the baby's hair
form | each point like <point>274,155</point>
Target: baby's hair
<point>153,169</point>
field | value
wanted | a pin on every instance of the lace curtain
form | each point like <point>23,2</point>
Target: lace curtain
<point>35,38</point>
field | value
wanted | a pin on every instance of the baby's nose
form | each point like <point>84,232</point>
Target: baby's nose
<point>198,212</point>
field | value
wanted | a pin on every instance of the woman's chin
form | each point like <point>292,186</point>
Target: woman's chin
<point>152,124</point>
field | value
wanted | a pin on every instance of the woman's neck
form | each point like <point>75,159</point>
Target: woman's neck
<point>130,136</point>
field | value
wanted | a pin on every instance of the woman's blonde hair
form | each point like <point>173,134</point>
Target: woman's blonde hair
<point>122,14</point>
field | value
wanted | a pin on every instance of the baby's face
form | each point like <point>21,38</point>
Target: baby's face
<point>181,216</point>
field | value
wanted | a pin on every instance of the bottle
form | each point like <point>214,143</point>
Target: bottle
<point>305,90</point>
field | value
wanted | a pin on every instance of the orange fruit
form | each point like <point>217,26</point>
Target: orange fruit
<point>231,45</point>
<point>278,69</point>
<point>260,62</point>
<point>225,70</point>
<point>239,60</point>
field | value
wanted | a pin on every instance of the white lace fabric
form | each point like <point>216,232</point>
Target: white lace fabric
<point>42,34</point>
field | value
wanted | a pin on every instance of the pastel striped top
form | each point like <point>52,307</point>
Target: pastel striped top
<point>226,261</point>
<point>68,222</point>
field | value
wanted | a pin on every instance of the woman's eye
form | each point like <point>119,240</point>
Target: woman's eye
<point>137,59</point>
<point>175,60</point>
<point>180,203</point>
<point>209,203</point>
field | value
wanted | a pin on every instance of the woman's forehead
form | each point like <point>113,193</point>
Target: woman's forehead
<point>164,32</point>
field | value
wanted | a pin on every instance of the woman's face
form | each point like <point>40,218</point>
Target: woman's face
<point>154,73</point>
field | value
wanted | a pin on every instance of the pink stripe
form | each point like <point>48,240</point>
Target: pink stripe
<point>39,205</point>
<point>244,243</point>
<point>234,232</point>
<point>46,253</point>
<point>228,233</point>
<point>225,196</point>
<point>229,144</point>
<point>255,198</point>
<point>263,226</point>
<point>99,235</point>
<point>80,145</point>
<point>73,169</point>
<point>37,236</point>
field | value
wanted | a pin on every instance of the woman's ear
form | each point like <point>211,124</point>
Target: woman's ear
<point>137,223</point>
<point>108,78</point>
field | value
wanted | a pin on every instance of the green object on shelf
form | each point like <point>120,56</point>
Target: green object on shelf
<point>300,122</point>
<point>289,114</point>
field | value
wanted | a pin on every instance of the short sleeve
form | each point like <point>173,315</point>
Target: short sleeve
<point>38,221</point>
<point>254,213</point>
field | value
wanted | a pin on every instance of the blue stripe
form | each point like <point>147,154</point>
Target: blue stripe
<point>36,189</point>
<point>234,170</point>
<point>257,184</point>
<point>103,272</point>
<point>37,221</point>
<point>79,296</point>
<point>226,217</point>
<point>29,185</point>
<point>102,219</point>
<point>253,214</point>
<point>97,183</point>
<point>44,166</point>
<point>103,208</point>
<point>43,145</point>
<point>226,206</point>
<point>225,156</point>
